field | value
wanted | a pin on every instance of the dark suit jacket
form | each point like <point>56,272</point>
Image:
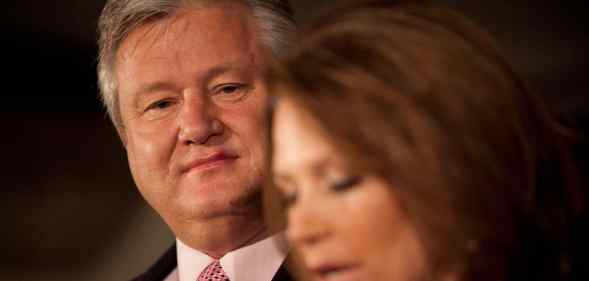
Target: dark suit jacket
<point>166,264</point>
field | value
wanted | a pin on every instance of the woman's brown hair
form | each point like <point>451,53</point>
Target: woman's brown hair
<point>419,95</point>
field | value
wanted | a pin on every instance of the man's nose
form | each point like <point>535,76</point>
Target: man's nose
<point>306,225</point>
<point>198,120</point>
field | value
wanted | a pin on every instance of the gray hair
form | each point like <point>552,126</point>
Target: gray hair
<point>120,17</point>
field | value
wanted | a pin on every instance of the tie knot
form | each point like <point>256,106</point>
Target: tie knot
<point>213,272</point>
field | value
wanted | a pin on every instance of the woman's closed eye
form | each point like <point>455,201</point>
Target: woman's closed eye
<point>345,183</point>
<point>289,198</point>
<point>286,189</point>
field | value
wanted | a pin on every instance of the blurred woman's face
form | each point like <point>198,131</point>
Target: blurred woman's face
<point>345,225</point>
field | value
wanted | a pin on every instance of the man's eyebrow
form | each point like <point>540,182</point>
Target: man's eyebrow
<point>150,88</point>
<point>224,68</point>
<point>154,87</point>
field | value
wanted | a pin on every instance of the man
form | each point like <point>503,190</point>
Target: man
<point>182,82</point>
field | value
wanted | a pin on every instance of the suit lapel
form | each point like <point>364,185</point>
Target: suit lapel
<point>162,268</point>
<point>282,274</point>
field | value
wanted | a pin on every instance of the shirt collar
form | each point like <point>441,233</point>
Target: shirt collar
<point>256,262</point>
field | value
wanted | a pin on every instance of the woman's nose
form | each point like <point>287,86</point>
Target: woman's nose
<point>306,225</point>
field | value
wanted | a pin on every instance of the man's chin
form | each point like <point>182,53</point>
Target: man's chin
<point>205,206</point>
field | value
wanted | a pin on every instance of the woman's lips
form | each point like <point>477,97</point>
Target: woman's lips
<point>336,272</point>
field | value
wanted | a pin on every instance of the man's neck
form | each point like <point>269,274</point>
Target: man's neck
<point>218,237</point>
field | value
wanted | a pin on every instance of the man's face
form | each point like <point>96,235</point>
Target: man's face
<point>193,107</point>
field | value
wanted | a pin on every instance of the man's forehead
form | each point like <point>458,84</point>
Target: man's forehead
<point>191,47</point>
<point>189,26</point>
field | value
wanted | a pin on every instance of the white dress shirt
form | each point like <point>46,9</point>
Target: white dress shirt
<point>257,262</point>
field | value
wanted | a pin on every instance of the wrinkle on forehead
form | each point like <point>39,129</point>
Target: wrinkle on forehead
<point>150,28</point>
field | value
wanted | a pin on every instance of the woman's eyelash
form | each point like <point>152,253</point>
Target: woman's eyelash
<point>289,198</point>
<point>346,183</point>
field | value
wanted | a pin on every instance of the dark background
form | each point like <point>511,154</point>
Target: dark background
<point>70,210</point>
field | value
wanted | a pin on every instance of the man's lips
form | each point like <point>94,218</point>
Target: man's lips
<point>211,160</point>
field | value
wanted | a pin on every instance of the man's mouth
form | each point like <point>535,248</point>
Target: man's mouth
<point>210,161</point>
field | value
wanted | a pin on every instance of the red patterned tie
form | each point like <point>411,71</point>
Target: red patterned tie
<point>213,272</point>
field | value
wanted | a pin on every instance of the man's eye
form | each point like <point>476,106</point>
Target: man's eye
<point>230,89</point>
<point>346,183</point>
<point>231,92</point>
<point>159,109</point>
<point>162,104</point>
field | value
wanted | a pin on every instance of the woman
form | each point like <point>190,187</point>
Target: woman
<point>406,148</point>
